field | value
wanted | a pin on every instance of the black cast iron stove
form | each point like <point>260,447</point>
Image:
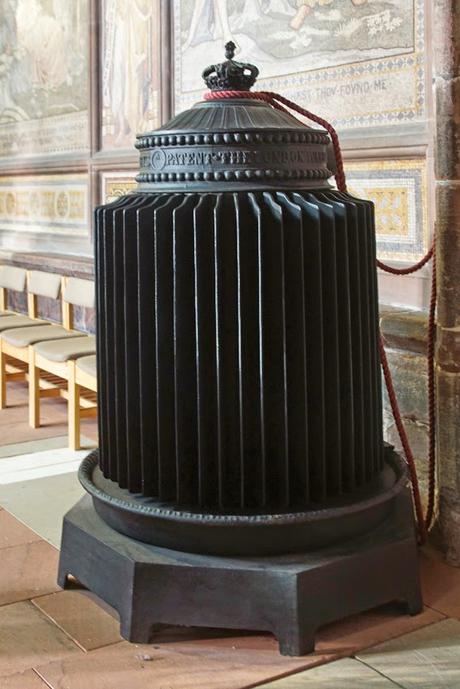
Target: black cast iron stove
<point>241,479</point>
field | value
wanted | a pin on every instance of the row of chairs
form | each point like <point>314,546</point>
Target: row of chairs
<point>55,360</point>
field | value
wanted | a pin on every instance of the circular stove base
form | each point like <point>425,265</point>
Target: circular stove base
<point>150,521</point>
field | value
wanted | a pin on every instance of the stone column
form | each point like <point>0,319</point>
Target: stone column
<point>446,55</point>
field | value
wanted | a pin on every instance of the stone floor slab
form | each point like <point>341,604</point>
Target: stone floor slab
<point>80,616</point>
<point>14,420</point>
<point>33,446</point>
<point>336,640</point>
<point>23,680</point>
<point>373,627</point>
<point>440,584</point>
<point>428,658</point>
<point>27,571</point>
<point>41,503</point>
<point>342,674</point>
<point>133,666</point>
<point>13,532</point>
<point>181,658</point>
<point>37,465</point>
<point>27,637</point>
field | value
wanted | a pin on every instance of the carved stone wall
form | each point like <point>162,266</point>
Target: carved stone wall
<point>447,90</point>
<point>405,335</point>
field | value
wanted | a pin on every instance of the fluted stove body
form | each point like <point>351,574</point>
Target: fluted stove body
<point>241,478</point>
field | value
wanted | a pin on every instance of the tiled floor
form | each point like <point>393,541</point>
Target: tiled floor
<point>14,425</point>
<point>40,487</point>
<point>70,640</point>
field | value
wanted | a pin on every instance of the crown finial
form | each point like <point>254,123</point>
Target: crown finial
<point>230,75</point>
<point>230,48</point>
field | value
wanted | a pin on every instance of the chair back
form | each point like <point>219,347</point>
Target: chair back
<point>41,284</point>
<point>75,292</point>
<point>13,278</point>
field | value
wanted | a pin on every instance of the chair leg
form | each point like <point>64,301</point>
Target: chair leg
<point>2,378</point>
<point>73,408</point>
<point>34,391</point>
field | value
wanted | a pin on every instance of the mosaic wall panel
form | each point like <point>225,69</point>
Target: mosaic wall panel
<point>43,77</point>
<point>115,184</point>
<point>398,190</point>
<point>45,203</point>
<point>130,70</point>
<point>356,62</point>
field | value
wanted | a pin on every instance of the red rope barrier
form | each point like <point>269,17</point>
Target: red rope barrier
<point>277,101</point>
<point>409,269</point>
<point>428,519</point>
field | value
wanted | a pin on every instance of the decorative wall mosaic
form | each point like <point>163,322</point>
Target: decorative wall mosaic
<point>45,203</point>
<point>362,59</point>
<point>130,70</point>
<point>115,184</point>
<point>356,62</point>
<point>398,190</point>
<point>44,60</point>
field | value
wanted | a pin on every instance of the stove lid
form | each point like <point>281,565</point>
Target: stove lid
<point>233,142</point>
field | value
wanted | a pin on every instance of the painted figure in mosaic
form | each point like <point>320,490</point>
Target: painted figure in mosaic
<point>304,7</point>
<point>209,16</point>
<point>279,31</point>
<point>43,39</point>
<point>43,59</point>
<point>357,61</point>
<point>126,64</point>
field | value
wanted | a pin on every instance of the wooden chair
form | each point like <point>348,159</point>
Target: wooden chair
<point>49,360</point>
<point>15,279</point>
<point>82,377</point>
<point>17,332</point>
<point>11,278</point>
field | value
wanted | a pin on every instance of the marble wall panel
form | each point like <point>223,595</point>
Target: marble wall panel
<point>45,203</point>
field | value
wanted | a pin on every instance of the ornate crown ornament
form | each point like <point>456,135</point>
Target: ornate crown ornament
<point>230,75</point>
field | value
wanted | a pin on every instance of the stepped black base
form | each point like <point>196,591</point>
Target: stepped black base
<point>289,595</point>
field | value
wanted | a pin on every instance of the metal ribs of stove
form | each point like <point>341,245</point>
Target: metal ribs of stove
<point>237,348</point>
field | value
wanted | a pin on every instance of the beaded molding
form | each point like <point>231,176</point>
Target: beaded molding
<point>285,137</point>
<point>232,175</point>
<point>90,463</point>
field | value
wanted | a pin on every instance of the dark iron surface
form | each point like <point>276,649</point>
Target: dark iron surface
<point>237,341</point>
<point>290,596</point>
<point>240,409</point>
<point>234,144</point>
<point>228,147</point>
<point>230,75</point>
<point>237,533</point>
